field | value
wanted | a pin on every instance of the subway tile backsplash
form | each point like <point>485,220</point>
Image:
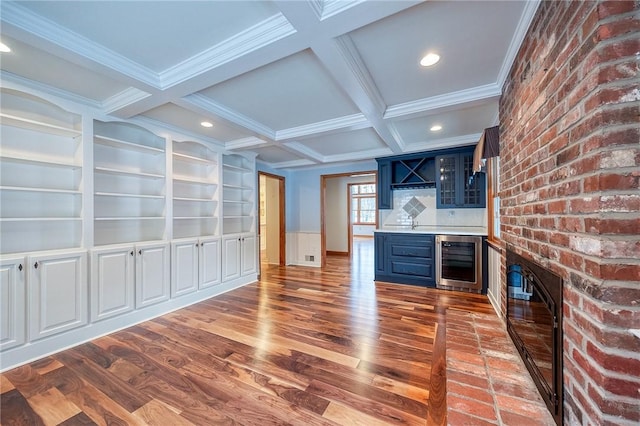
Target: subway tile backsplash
<point>398,216</point>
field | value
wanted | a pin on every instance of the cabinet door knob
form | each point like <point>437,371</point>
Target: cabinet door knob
<point>140,252</point>
<point>131,253</point>
<point>36,265</point>
<point>20,267</point>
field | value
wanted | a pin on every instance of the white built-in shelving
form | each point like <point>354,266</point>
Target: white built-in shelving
<point>238,195</point>
<point>129,184</point>
<point>40,175</point>
<point>195,190</point>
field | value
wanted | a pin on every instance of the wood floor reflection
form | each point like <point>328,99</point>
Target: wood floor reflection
<point>303,346</point>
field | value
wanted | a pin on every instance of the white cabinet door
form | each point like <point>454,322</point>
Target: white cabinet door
<point>249,254</point>
<point>184,267</point>
<point>57,293</point>
<point>12,302</point>
<point>152,274</point>
<point>209,264</point>
<point>230,258</point>
<point>112,282</point>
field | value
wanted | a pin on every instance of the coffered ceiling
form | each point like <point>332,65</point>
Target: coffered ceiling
<point>300,83</point>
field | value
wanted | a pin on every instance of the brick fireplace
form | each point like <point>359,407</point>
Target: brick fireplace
<point>570,172</point>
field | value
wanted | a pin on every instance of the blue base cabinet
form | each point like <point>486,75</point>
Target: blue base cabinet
<point>405,258</point>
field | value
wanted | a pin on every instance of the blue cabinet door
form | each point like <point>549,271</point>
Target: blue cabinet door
<point>385,196</point>
<point>456,184</point>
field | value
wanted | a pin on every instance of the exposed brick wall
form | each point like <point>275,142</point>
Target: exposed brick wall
<point>570,199</point>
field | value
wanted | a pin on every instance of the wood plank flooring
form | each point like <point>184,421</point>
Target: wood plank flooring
<point>302,346</point>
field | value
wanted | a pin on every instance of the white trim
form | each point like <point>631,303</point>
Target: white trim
<point>123,99</point>
<point>250,142</point>
<point>323,126</point>
<point>526,18</point>
<point>262,34</point>
<point>349,53</point>
<point>454,142</point>
<point>434,103</point>
<point>330,8</point>
<point>214,108</point>
<point>23,18</point>
<point>48,90</point>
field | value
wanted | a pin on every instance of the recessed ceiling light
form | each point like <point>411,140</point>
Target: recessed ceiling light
<point>429,59</point>
<point>206,124</point>
<point>4,48</point>
<point>436,128</point>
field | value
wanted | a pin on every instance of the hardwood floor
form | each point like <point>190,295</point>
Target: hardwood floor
<point>303,346</point>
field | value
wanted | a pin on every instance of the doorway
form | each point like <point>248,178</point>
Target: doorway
<point>271,214</point>
<point>336,218</point>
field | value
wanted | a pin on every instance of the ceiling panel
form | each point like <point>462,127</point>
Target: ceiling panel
<point>288,93</point>
<point>345,142</point>
<point>471,37</point>
<point>155,34</point>
<point>188,120</point>
<point>37,65</point>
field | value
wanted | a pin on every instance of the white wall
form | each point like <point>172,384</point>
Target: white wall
<point>303,194</point>
<point>336,215</point>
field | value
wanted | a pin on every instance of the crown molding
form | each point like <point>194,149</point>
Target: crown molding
<point>304,151</point>
<point>358,156</point>
<point>452,142</point>
<point>395,134</point>
<point>530,9</point>
<point>478,93</point>
<point>120,100</point>
<point>354,62</point>
<point>244,143</point>
<point>330,8</point>
<point>289,164</point>
<point>164,129</point>
<point>206,104</point>
<point>262,34</point>
<point>24,19</point>
<point>48,90</point>
<point>321,127</point>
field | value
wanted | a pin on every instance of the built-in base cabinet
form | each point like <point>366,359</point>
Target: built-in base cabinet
<point>405,258</point>
<point>195,265</point>
<point>152,274</point>
<point>13,302</point>
<point>107,223</point>
<point>57,293</point>
<point>127,277</point>
<point>239,256</point>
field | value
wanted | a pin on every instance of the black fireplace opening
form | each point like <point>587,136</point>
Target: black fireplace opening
<point>534,322</point>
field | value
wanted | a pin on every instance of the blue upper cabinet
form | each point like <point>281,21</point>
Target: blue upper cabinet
<point>450,171</point>
<point>456,185</point>
<point>404,172</point>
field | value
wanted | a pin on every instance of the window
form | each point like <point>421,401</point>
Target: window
<point>363,204</point>
<point>493,173</point>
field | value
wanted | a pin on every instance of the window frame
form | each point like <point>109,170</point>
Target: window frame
<point>356,199</point>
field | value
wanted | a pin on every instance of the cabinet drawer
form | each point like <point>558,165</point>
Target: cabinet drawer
<point>424,251</point>
<point>414,269</point>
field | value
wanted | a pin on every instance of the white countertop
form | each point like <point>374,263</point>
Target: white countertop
<point>436,229</point>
